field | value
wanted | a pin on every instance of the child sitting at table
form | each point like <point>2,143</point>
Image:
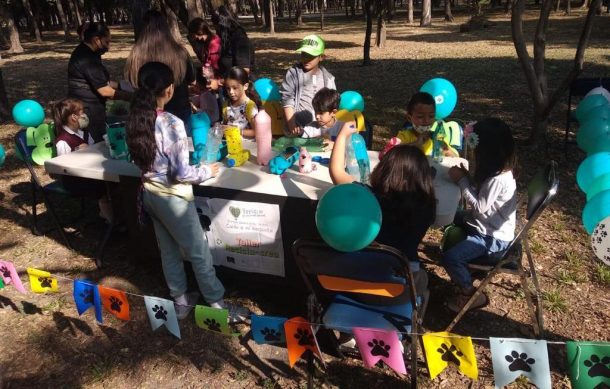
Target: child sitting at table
<point>491,195</point>
<point>205,98</point>
<point>159,147</point>
<point>325,104</point>
<point>71,122</point>
<point>421,112</point>
<point>241,108</point>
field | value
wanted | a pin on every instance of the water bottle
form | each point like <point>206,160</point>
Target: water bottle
<point>213,144</point>
<point>262,123</point>
<point>237,155</point>
<point>351,163</point>
<point>437,143</point>
<point>362,157</point>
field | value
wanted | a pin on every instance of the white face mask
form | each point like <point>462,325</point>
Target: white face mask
<point>422,129</point>
<point>83,121</point>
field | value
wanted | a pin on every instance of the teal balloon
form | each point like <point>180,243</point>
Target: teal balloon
<point>587,104</point>
<point>601,184</point>
<point>267,90</point>
<point>593,136</point>
<point>351,101</point>
<point>28,113</point>
<point>445,96</point>
<point>594,166</point>
<point>596,210</point>
<point>599,112</point>
<point>348,217</point>
<point>2,155</point>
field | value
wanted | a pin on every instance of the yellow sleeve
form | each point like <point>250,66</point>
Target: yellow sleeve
<point>224,112</point>
<point>406,136</point>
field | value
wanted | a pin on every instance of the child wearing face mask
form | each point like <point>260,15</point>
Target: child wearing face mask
<point>421,112</point>
<point>70,127</point>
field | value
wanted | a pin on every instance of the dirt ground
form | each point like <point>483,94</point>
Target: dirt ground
<point>46,344</point>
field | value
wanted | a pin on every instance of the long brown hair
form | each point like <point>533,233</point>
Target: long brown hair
<point>62,110</point>
<point>402,178</point>
<point>156,44</point>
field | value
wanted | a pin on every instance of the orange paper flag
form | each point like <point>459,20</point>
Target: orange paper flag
<point>115,302</point>
<point>300,338</point>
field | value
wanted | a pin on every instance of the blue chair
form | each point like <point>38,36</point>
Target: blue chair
<point>373,287</point>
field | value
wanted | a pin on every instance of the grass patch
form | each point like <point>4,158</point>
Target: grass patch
<point>536,247</point>
<point>555,302</point>
<point>572,276</point>
<point>55,305</point>
<point>269,383</point>
<point>575,259</point>
<point>602,274</point>
<point>100,370</point>
<point>240,375</point>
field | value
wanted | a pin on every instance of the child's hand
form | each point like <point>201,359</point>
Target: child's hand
<point>328,145</point>
<point>457,173</point>
<point>348,129</point>
<point>296,131</point>
<point>212,84</point>
<point>422,138</point>
<point>82,146</point>
<point>215,168</point>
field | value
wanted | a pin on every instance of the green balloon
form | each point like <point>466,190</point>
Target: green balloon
<point>596,210</point>
<point>600,112</point>
<point>594,136</point>
<point>587,104</point>
<point>593,167</point>
<point>600,184</point>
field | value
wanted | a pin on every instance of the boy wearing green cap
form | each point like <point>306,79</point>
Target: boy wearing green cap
<point>302,82</point>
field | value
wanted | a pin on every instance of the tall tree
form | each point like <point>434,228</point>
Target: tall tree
<point>271,21</point>
<point>5,108</point>
<point>410,11</point>
<point>382,11</point>
<point>426,13</point>
<point>62,18</point>
<point>321,6</point>
<point>534,69</point>
<point>191,8</point>
<point>369,8</point>
<point>299,13</point>
<point>8,18</point>
<point>254,9</point>
<point>31,21</point>
<point>75,13</point>
<point>448,14</point>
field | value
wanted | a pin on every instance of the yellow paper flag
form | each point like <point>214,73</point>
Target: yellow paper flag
<point>41,281</point>
<point>444,347</point>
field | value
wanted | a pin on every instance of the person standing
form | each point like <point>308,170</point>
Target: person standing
<point>237,50</point>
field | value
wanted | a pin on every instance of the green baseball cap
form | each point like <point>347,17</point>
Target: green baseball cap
<point>312,45</point>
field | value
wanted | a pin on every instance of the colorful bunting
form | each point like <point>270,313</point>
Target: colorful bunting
<point>9,275</point>
<point>444,347</point>
<point>86,296</point>
<point>512,358</point>
<point>213,319</point>
<point>41,281</point>
<point>376,345</point>
<point>161,312</point>
<point>300,337</point>
<point>114,301</point>
<point>589,364</point>
<point>268,329</point>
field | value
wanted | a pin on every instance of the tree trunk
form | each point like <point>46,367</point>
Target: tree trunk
<point>178,9</point>
<point>534,69</point>
<point>426,14</point>
<point>5,108</point>
<point>321,6</point>
<point>62,18</point>
<point>172,20</point>
<point>35,31</point>
<point>410,11</point>
<point>568,7</point>
<point>271,21</point>
<point>254,9</point>
<point>380,36</point>
<point>368,11</point>
<point>448,14</point>
<point>75,13</point>
<point>192,9</point>
<point>299,13</point>
<point>7,15</point>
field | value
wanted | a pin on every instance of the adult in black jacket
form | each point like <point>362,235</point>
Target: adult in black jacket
<point>237,50</point>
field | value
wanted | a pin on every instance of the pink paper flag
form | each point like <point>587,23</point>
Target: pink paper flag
<point>10,276</point>
<point>375,345</point>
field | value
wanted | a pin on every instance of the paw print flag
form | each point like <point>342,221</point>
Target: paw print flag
<point>512,358</point>
<point>9,275</point>
<point>300,337</point>
<point>589,364</point>
<point>213,319</point>
<point>161,312</point>
<point>86,296</point>
<point>268,329</point>
<point>114,301</point>
<point>443,348</point>
<point>376,345</point>
<point>41,281</point>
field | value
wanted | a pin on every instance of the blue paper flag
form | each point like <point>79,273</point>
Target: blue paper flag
<point>161,312</point>
<point>268,329</point>
<point>512,358</point>
<point>86,296</point>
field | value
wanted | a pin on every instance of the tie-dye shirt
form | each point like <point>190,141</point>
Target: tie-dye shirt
<point>171,166</point>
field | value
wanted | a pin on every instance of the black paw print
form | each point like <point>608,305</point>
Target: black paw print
<point>271,335</point>
<point>304,336</point>
<point>519,361</point>
<point>160,312</point>
<point>87,296</point>
<point>115,304</point>
<point>598,367</point>
<point>449,353</point>
<point>45,282</point>
<point>5,272</point>
<point>212,325</point>
<point>378,347</point>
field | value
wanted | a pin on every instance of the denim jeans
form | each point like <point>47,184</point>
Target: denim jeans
<point>180,237</point>
<point>456,260</point>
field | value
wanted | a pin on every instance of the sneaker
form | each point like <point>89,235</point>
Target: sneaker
<point>185,303</point>
<point>237,314</point>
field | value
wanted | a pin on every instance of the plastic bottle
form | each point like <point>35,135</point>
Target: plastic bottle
<point>351,163</point>
<point>237,155</point>
<point>262,123</point>
<point>362,157</point>
<point>213,144</point>
<point>437,142</point>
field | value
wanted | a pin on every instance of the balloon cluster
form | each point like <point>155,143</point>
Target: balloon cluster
<point>30,114</point>
<point>270,96</point>
<point>593,174</point>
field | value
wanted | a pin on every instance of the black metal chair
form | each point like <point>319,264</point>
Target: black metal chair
<point>541,189</point>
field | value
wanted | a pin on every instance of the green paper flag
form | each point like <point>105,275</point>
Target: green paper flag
<point>213,319</point>
<point>1,283</point>
<point>588,364</point>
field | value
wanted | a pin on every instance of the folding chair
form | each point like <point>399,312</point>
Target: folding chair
<point>54,188</point>
<point>373,288</point>
<point>578,88</point>
<point>541,189</point>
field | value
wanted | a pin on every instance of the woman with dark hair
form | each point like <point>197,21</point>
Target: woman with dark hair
<point>206,44</point>
<point>88,79</point>
<point>237,50</point>
<point>157,44</point>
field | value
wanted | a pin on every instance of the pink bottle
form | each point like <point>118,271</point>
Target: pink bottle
<point>262,123</point>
